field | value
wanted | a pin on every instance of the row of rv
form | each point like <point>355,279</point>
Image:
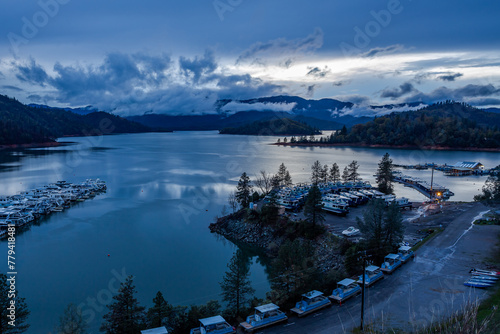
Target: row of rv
<point>270,314</point>
<point>28,206</point>
<point>337,197</point>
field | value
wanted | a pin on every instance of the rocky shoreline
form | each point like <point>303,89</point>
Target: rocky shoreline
<point>235,228</point>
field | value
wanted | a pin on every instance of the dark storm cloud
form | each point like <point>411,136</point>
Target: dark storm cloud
<point>132,84</point>
<point>283,46</point>
<point>310,90</point>
<point>383,50</point>
<point>317,72</point>
<point>32,73</point>
<point>198,67</point>
<point>450,77</point>
<point>395,93</point>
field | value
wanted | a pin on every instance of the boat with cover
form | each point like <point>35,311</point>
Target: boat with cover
<point>311,302</point>
<point>372,275</point>
<point>405,253</point>
<point>391,263</point>
<point>265,315</point>
<point>346,289</point>
<point>213,325</point>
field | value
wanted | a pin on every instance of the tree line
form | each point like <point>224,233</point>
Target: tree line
<point>449,124</point>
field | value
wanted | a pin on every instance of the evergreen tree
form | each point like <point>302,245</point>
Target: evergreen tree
<point>282,173</point>
<point>287,180</point>
<point>316,172</point>
<point>158,315</point>
<point>312,207</point>
<point>353,171</point>
<point>125,315</point>
<point>22,311</point>
<point>491,188</point>
<point>334,175</point>
<point>384,175</point>
<point>393,226</point>
<point>324,174</point>
<point>244,189</point>
<point>236,287</point>
<point>372,228</point>
<point>345,174</point>
<point>71,322</point>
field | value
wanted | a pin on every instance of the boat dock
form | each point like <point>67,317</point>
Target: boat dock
<point>431,191</point>
<point>29,206</point>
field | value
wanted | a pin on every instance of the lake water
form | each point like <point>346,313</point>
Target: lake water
<point>164,189</point>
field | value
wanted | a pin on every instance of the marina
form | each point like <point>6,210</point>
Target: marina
<point>29,206</point>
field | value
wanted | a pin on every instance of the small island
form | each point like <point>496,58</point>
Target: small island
<point>273,127</point>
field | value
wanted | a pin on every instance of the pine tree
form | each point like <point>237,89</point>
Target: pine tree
<point>384,175</point>
<point>236,287</point>
<point>159,313</point>
<point>312,207</point>
<point>22,311</point>
<point>372,228</point>
<point>287,181</point>
<point>491,188</point>
<point>316,172</point>
<point>353,171</point>
<point>345,174</point>
<point>324,174</point>
<point>125,315</point>
<point>393,226</point>
<point>244,189</point>
<point>282,173</point>
<point>71,322</point>
<point>334,175</point>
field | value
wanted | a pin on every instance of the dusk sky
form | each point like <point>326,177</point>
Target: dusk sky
<point>179,57</point>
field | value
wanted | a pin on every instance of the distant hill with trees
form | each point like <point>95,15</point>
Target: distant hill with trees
<point>442,125</point>
<point>22,124</point>
<point>281,126</point>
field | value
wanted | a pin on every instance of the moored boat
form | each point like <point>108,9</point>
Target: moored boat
<point>391,263</point>
<point>405,253</point>
<point>265,315</point>
<point>372,275</point>
<point>311,302</point>
<point>477,284</point>
<point>484,272</point>
<point>346,289</point>
<point>213,325</point>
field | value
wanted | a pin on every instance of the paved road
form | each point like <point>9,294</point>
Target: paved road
<point>418,293</point>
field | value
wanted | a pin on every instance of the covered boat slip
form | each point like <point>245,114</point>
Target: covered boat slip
<point>213,325</point>
<point>372,275</point>
<point>347,288</point>
<point>265,315</point>
<point>391,263</point>
<point>311,302</point>
<point>405,253</point>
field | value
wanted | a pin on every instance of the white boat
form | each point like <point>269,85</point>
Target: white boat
<point>391,263</point>
<point>311,302</point>
<point>372,275</point>
<point>213,325</point>
<point>351,231</point>
<point>484,272</point>
<point>265,315</point>
<point>346,289</point>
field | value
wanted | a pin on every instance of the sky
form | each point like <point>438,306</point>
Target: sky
<point>180,57</point>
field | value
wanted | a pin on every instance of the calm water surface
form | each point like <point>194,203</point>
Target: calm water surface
<point>163,192</point>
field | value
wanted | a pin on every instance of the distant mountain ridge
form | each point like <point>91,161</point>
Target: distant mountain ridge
<point>21,124</point>
<point>275,126</point>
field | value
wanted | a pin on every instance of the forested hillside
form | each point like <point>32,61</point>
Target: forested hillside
<point>20,124</point>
